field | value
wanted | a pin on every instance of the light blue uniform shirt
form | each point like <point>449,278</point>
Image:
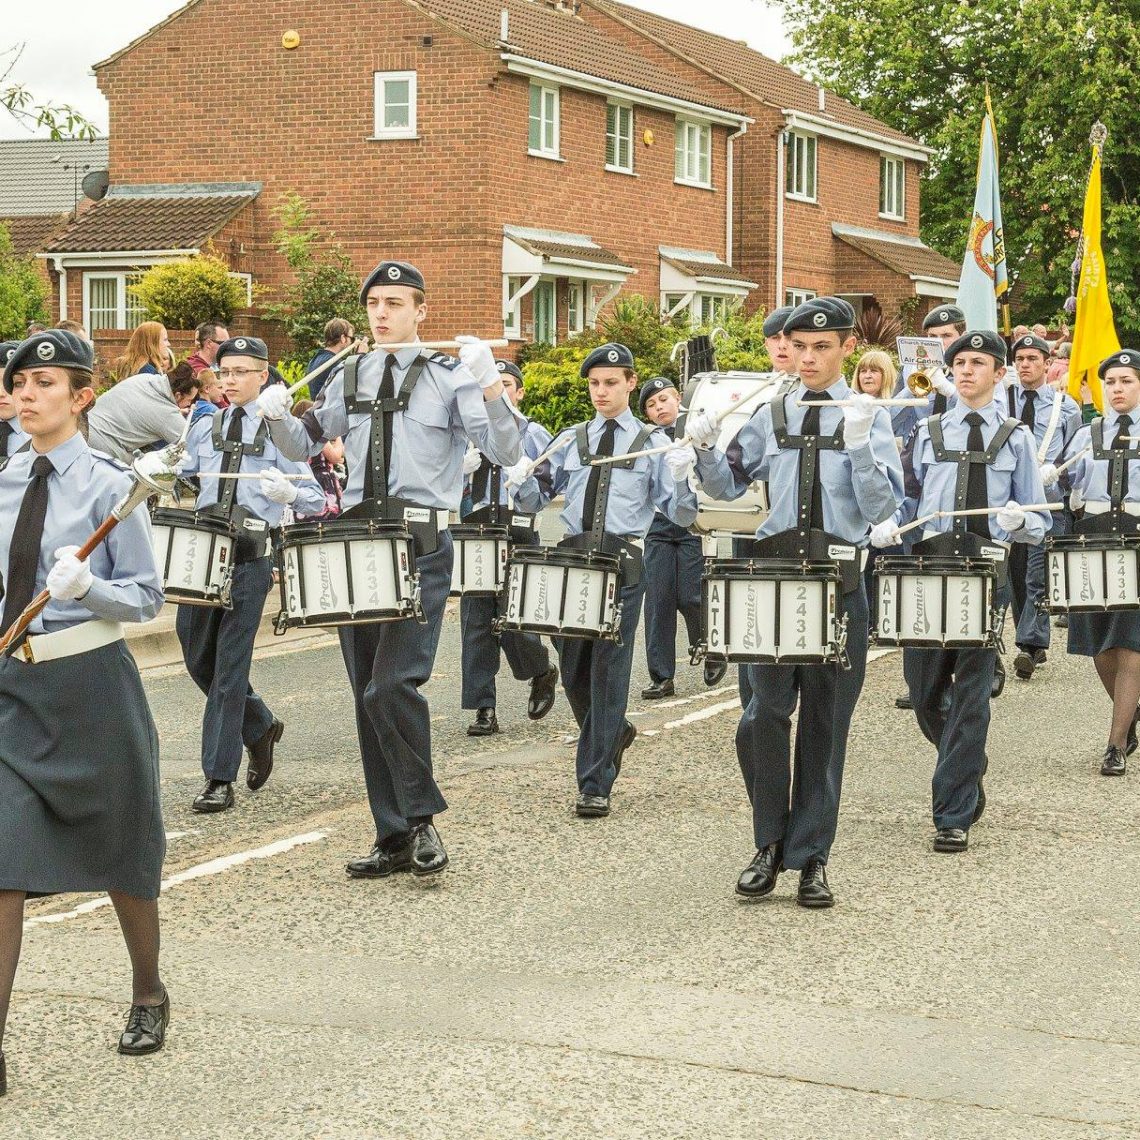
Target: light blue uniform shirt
<point>860,486</point>
<point>16,440</point>
<point>1091,476</point>
<point>535,440</point>
<point>202,458</point>
<point>635,494</point>
<point>1014,474</point>
<point>82,490</point>
<point>1068,424</point>
<point>428,440</point>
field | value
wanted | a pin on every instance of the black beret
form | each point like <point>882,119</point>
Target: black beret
<point>512,369</point>
<point>242,346</point>
<point>1125,358</point>
<point>650,389</point>
<point>1029,341</point>
<point>943,315</point>
<point>607,356</point>
<point>821,314</point>
<point>980,340</point>
<point>7,347</point>
<point>392,273</point>
<point>56,348</point>
<point>774,321</point>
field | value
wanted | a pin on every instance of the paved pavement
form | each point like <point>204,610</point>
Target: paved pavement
<point>571,978</point>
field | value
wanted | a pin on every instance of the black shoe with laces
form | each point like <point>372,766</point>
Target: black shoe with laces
<point>814,891</point>
<point>1113,763</point>
<point>146,1028</point>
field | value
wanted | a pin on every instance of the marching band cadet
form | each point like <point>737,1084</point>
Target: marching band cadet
<point>595,674</point>
<point>673,563</point>
<point>528,658</point>
<point>217,643</point>
<point>12,436</point>
<point>857,482</point>
<point>1108,486</point>
<point>971,456</point>
<point>407,422</point>
<point>79,791</point>
<point>1031,400</point>
<point>946,323</point>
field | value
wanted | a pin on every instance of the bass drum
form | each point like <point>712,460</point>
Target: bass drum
<point>712,392</point>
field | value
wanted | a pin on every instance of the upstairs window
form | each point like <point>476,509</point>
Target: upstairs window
<point>795,297</point>
<point>543,137</point>
<point>395,104</point>
<point>800,161</point>
<point>619,137</point>
<point>693,153</point>
<point>892,188</point>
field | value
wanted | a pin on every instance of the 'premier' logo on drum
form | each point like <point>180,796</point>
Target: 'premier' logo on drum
<point>921,624</point>
<point>752,638</point>
<point>328,593</point>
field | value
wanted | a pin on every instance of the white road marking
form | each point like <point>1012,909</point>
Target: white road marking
<point>683,701</point>
<point>704,714</point>
<point>212,867</point>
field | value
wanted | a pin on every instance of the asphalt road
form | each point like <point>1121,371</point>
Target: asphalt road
<point>570,978</point>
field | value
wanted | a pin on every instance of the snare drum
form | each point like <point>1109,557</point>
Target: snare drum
<point>1091,573</point>
<point>712,393</point>
<point>772,611</point>
<point>194,555</point>
<point>927,602</point>
<point>564,593</point>
<point>480,565</point>
<point>347,572</point>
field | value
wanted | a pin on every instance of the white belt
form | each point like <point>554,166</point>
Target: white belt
<point>70,642</point>
<point>1104,508</point>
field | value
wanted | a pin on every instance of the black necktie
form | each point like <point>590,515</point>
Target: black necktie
<point>387,392</point>
<point>227,488</point>
<point>1029,410</point>
<point>811,427</point>
<point>1121,443</point>
<point>24,556</point>
<point>977,488</point>
<point>6,430</point>
<point>605,447</point>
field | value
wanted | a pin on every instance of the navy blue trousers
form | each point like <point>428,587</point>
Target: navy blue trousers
<point>797,804</point>
<point>217,646</point>
<point>387,664</point>
<point>672,585</point>
<point>595,676</point>
<point>526,655</point>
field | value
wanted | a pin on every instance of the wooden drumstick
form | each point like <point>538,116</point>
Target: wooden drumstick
<point>889,402</point>
<point>918,522</point>
<point>242,475</point>
<point>1069,462</point>
<point>995,510</point>
<point>323,368</point>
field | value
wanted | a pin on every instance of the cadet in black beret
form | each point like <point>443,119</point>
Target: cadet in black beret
<point>55,347</point>
<point>650,389</point>
<point>942,316</point>
<point>242,346</point>
<point>1125,358</point>
<point>510,369</point>
<point>821,314</point>
<point>7,347</point>
<point>1030,342</point>
<point>12,438</point>
<point>981,340</point>
<point>392,273</point>
<point>607,356</point>
<point>775,320</point>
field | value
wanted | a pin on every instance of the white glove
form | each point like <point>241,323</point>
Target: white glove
<point>274,403</point>
<point>942,385</point>
<point>1076,499</point>
<point>885,534</point>
<point>69,579</point>
<point>858,416</point>
<point>681,458</point>
<point>517,474</point>
<point>480,362</point>
<point>701,429</point>
<point>1011,517</point>
<point>152,467</point>
<point>472,461</point>
<point>1050,476</point>
<point>276,488</point>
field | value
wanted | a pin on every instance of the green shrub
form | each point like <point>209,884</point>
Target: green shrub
<point>182,294</point>
<point>23,294</point>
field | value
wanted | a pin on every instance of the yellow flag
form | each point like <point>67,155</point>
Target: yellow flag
<point>1094,334</point>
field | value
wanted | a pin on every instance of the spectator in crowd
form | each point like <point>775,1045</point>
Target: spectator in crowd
<point>210,387</point>
<point>74,327</point>
<point>207,336</point>
<point>324,465</point>
<point>1058,374</point>
<point>338,335</point>
<point>875,374</point>
<point>148,352</point>
<point>36,327</point>
<point>209,399</point>
<point>141,412</point>
<point>1041,330</point>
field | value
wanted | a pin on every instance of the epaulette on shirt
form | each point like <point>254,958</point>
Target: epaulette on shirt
<point>443,360</point>
<point>118,464</point>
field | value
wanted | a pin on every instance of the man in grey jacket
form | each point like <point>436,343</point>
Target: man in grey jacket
<point>140,412</point>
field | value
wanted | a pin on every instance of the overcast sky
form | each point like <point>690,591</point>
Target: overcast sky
<point>63,38</point>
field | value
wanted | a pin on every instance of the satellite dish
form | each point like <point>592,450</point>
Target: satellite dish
<point>95,184</point>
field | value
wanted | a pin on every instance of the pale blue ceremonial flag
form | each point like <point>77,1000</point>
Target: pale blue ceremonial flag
<point>984,279</point>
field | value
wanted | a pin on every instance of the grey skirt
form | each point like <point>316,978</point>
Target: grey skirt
<point>79,793</point>
<point>1090,634</point>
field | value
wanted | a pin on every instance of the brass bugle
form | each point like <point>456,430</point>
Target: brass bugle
<point>920,383</point>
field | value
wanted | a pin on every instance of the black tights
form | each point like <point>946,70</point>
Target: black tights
<point>1119,672</point>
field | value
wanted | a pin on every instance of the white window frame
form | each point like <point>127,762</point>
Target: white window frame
<point>549,121</point>
<point>127,308</point>
<point>615,113</point>
<point>577,299</point>
<point>892,187</point>
<point>686,131</point>
<point>512,326</point>
<point>380,80</point>
<point>711,308</point>
<point>801,181</point>
<point>795,297</point>
<point>246,280</point>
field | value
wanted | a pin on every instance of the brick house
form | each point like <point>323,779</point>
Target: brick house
<point>534,157</point>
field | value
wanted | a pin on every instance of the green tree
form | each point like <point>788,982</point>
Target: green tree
<point>1054,67</point>
<point>182,294</point>
<point>60,120</point>
<point>325,284</point>
<point>23,293</point>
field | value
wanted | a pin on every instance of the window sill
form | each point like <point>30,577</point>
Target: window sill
<point>694,185</point>
<point>548,157</point>
<point>620,170</point>
<point>392,138</point>
<point>801,198</point>
<point>892,217</point>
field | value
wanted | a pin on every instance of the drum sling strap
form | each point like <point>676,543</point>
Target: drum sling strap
<point>251,534</point>
<point>1116,519</point>
<point>809,447</point>
<point>965,458</point>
